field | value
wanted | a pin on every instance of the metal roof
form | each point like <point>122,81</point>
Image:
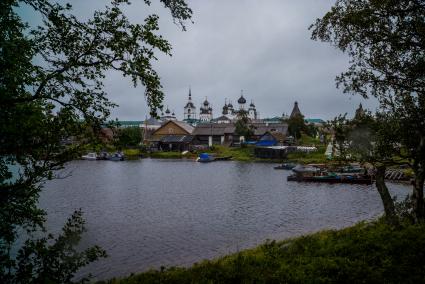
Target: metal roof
<point>214,129</point>
<point>130,122</point>
<point>152,121</point>
<point>177,139</point>
<point>314,120</point>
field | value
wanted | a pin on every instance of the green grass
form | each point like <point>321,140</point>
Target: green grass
<point>166,155</point>
<point>246,154</point>
<point>313,157</point>
<point>238,153</point>
<point>131,152</point>
<point>364,253</point>
<point>306,140</point>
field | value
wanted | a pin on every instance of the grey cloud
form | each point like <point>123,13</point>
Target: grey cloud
<point>262,47</point>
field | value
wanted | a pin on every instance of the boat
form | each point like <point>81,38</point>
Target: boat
<point>367,180</point>
<point>352,169</point>
<point>285,166</point>
<point>103,155</point>
<point>205,158</point>
<point>318,173</point>
<point>90,156</point>
<point>300,169</point>
<point>117,156</point>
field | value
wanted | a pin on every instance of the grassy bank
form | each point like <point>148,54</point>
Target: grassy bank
<point>238,153</point>
<point>245,154</point>
<point>365,253</point>
<point>317,157</point>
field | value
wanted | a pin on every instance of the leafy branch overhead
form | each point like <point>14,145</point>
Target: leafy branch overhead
<point>73,55</point>
<point>52,88</point>
<point>385,41</point>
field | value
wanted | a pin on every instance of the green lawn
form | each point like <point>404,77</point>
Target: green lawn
<point>364,253</point>
<point>246,154</point>
<point>309,158</point>
<point>238,153</point>
<point>166,155</point>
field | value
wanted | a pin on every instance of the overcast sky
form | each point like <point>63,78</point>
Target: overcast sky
<point>261,47</point>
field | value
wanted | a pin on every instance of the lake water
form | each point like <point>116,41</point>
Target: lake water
<point>148,213</point>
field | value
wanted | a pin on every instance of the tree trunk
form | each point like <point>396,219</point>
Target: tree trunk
<point>418,194</point>
<point>386,198</point>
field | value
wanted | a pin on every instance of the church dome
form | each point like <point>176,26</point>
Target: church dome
<point>167,111</point>
<point>225,110</point>
<point>206,103</point>
<point>252,105</point>
<point>241,100</point>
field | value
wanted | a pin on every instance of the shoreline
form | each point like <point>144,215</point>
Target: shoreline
<point>336,255</point>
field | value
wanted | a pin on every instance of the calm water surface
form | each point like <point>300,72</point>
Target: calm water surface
<point>149,213</point>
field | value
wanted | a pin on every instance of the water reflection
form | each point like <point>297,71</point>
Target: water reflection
<point>150,213</point>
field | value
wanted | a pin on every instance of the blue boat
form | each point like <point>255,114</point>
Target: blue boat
<point>205,158</point>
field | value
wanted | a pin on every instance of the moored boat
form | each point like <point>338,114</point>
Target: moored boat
<point>90,156</point>
<point>354,179</point>
<point>205,158</point>
<point>312,173</point>
<point>117,156</point>
<point>285,166</point>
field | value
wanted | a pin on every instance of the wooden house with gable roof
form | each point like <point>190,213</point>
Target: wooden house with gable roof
<point>173,136</point>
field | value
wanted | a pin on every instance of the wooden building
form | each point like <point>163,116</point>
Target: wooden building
<point>214,133</point>
<point>224,133</point>
<point>271,138</point>
<point>173,136</point>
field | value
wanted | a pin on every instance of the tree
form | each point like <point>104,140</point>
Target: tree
<point>243,126</point>
<point>51,79</point>
<point>129,137</point>
<point>386,44</point>
<point>341,128</point>
<point>296,125</point>
<point>370,139</point>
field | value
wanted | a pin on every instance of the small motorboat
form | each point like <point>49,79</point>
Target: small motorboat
<point>354,179</point>
<point>103,155</point>
<point>205,158</point>
<point>351,169</point>
<point>285,166</point>
<point>117,156</point>
<point>92,156</point>
<point>299,169</point>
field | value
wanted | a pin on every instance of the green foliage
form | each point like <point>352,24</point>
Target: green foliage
<point>341,128</point>
<point>238,153</point>
<point>128,137</point>
<point>131,152</point>
<point>55,260</point>
<point>317,157</point>
<point>243,126</point>
<point>385,42</point>
<point>307,140</point>
<point>365,253</point>
<point>166,155</point>
<point>296,125</point>
<point>52,79</point>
